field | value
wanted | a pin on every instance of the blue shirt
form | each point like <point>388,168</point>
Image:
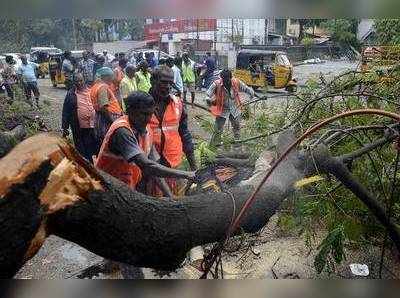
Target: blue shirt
<point>28,72</point>
<point>152,62</point>
<point>177,78</point>
<point>210,63</point>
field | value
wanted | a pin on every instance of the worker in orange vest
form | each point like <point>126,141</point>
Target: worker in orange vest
<point>169,124</point>
<point>225,102</point>
<point>126,154</point>
<point>104,102</point>
<point>127,149</point>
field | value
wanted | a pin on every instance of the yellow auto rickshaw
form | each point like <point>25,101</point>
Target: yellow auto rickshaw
<point>41,55</point>
<point>42,59</point>
<point>263,69</point>
<point>55,67</point>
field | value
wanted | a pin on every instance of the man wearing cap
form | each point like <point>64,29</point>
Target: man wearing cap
<point>104,102</point>
<point>171,135</point>
<point>126,154</point>
<point>128,144</point>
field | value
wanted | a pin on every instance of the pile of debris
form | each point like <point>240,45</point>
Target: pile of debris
<point>17,120</point>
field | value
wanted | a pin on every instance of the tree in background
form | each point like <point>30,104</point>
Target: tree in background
<point>343,31</point>
<point>131,28</point>
<point>388,31</point>
<point>306,24</point>
<point>19,35</point>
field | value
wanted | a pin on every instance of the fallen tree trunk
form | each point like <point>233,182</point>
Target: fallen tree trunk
<point>46,190</point>
<point>10,138</point>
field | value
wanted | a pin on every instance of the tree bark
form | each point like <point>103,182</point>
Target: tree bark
<point>46,188</point>
<point>111,220</point>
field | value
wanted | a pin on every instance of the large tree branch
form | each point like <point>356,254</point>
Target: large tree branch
<point>45,190</point>
<point>346,158</point>
<point>336,167</point>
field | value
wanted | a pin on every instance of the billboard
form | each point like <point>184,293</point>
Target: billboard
<point>153,31</point>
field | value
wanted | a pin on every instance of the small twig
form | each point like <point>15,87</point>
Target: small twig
<point>272,268</point>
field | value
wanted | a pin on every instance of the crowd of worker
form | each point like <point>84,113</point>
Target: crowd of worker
<point>128,117</point>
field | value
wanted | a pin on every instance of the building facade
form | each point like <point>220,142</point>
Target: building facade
<point>217,35</point>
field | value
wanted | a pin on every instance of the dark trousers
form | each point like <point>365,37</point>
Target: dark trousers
<point>29,88</point>
<point>219,127</point>
<point>10,92</point>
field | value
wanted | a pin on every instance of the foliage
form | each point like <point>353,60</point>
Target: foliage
<point>19,35</point>
<point>307,42</point>
<point>20,112</point>
<point>388,31</point>
<point>330,248</point>
<point>204,154</point>
<point>342,31</point>
<point>327,205</point>
<point>307,24</point>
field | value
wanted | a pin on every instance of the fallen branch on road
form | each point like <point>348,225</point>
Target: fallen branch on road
<point>10,138</point>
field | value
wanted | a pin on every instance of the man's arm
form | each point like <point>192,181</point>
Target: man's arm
<point>210,93</point>
<point>125,144</point>
<point>152,168</point>
<point>103,102</point>
<point>179,82</point>
<point>246,89</point>
<point>187,140</point>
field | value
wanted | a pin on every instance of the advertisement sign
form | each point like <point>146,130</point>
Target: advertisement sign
<point>153,31</point>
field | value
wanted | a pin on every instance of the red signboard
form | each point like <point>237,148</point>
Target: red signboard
<point>153,31</point>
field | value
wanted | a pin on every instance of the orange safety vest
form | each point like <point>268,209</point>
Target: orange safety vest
<point>218,107</point>
<point>115,165</point>
<point>113,105</point>
<point>166,138</point>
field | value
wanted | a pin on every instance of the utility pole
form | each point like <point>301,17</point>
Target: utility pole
<point>242,31</point>
<point>74,34</point>
<point>266,31</point>
<point>232,34</point>
<point>197,34</point>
